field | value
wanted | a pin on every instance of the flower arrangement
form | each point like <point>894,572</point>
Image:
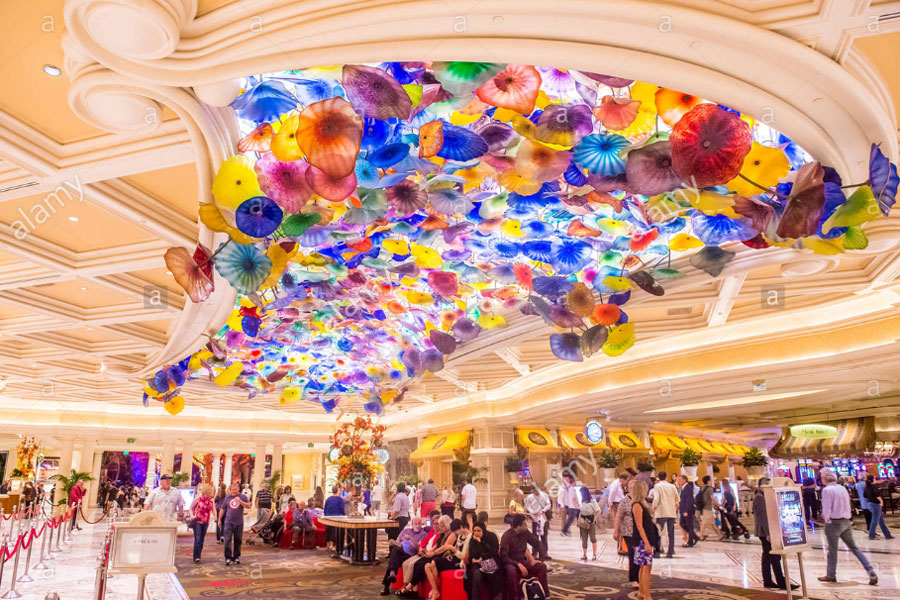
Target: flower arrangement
<point>26,451</point>
<point>380,216</point>
<point>357,442</point>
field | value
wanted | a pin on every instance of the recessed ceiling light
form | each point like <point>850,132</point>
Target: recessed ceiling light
<point>83,288</point>
<point>168,272</point>
<point>52,70</point>
<point>73,219</point>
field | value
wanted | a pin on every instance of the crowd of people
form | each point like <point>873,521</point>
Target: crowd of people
<point>440,529</point>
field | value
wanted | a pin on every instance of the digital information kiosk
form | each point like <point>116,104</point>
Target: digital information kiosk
<point>143,545</point>
<point>787,526</point>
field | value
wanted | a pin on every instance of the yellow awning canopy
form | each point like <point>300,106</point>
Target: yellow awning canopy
<point>740,449</point>
<point>536,440</point>
<point>625,441</point>
<point>702,446</point>
<point>574,439</point>
<point>663,443</point>
<point>441,445</point>
<point>722,448</point>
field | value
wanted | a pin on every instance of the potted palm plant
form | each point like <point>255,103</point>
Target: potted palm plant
<point>755,462</point>
<point>179,478</point>
<point>690,459</point>
<point>69,482</point>
<point>608,460</point>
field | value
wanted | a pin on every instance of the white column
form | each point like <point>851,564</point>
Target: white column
<point>86,464</point>
<point>731,475</point>
<point>277,461</point>
<point>259,467</point>
<point>151,469</point>
<point>229,460</point>
<point>216,471</point>
<point>187,459</point>
<point>168,458</point>
<point>94,485</point>
<point>65,465</point>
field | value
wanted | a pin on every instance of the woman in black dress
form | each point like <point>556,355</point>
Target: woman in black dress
<point>482,563</point>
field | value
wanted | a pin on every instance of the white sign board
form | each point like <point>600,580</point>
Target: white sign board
<point>146,544</point>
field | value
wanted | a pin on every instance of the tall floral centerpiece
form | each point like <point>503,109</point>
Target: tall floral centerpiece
<point>357,442</point>
<point>26,451</point>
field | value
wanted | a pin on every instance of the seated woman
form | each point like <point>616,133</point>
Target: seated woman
<point>401,549</point>
<point>450,560</point>
<point>482,563</point>
<point>444,541</point>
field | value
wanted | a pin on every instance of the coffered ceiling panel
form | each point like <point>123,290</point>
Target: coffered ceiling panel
<point>50,218</point>
<point>83,294</point>
<point>174,186</point>
<point>31,39</point>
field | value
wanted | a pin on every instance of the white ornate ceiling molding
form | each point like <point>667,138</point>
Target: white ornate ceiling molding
<point>116,102</point>
<point>802,92</point>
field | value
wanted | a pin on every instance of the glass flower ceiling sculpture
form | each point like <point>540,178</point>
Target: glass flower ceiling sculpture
<point>379,216</point>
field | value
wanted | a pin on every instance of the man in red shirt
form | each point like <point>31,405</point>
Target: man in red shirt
<point>75,497</point>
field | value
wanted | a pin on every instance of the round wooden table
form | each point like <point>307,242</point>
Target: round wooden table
<point>356,538</point>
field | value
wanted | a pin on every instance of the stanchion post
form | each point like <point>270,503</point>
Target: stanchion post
<point>42,558</point>
<point>26,578</point>
<point>12,593</point>
<point>100,580</point>
<point>59,529</point>
<point>4,543</point>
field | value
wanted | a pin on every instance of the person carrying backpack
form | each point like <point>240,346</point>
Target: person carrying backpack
<point>706,503</point>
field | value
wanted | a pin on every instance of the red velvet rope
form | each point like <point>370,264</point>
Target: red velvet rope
<point>103,516</point>
<point>11,553</point>
<point>30,540</point>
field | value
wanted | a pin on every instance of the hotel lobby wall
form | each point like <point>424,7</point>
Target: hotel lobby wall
<point>308,466</point>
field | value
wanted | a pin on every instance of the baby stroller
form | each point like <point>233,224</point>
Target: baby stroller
<point>258,530</point>
<point>731,525</point>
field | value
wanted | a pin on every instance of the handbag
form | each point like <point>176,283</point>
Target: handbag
<point>585,521</point>
<point>488,566</point>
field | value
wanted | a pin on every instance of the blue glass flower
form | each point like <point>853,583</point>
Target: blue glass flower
<point>551,287</point>
<point>243,266</point>
<point>715,230</point>
<point>883,179</point>
<point>367,174</point>
<point>540,250</point>
<point>599,154</point>
<point>375,133</point>
<point>570,256</point>
<point>566,346</point>
<point>537,230</point>
<point>258,217</point>
<point>505,248</point>
<point>388,156</point>
<point>461,144</point>
<point>264,102</point>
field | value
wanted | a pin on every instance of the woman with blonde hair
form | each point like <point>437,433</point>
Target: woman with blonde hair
<point>645,536</point>
<point>201,509</point>
<point>517,504</point>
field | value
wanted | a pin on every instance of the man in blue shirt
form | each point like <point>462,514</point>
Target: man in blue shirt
<point>863,503</point>
<point>231,518</point>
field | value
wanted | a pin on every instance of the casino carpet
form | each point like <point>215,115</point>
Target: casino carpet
<point>271,573</point>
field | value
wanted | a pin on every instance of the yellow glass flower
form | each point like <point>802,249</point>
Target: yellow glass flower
<point>235,182</point>
<point>490,321</point>
<point>289,395</point>
<point>764,166</point>
<point>174,405</point>
<point>426,258</point>
<point>284,143</point>
<point>228,375</point>
<point>683,242</point>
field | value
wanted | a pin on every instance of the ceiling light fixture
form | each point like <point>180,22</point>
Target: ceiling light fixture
<point>73,219</point>
<point>83,288</point>
<point>732,402</point>
<point>52,70</point>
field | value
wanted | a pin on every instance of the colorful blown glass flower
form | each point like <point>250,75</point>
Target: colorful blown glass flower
<point>384,215</point>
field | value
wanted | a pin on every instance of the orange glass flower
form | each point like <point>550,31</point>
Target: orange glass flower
<point>616,113</point>
<point>516,87</point>
<point>672,104</point>
<point>329,133</point>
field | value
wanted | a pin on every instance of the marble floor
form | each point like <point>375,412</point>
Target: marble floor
<point>72,573</point>
<point>738,562</point>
